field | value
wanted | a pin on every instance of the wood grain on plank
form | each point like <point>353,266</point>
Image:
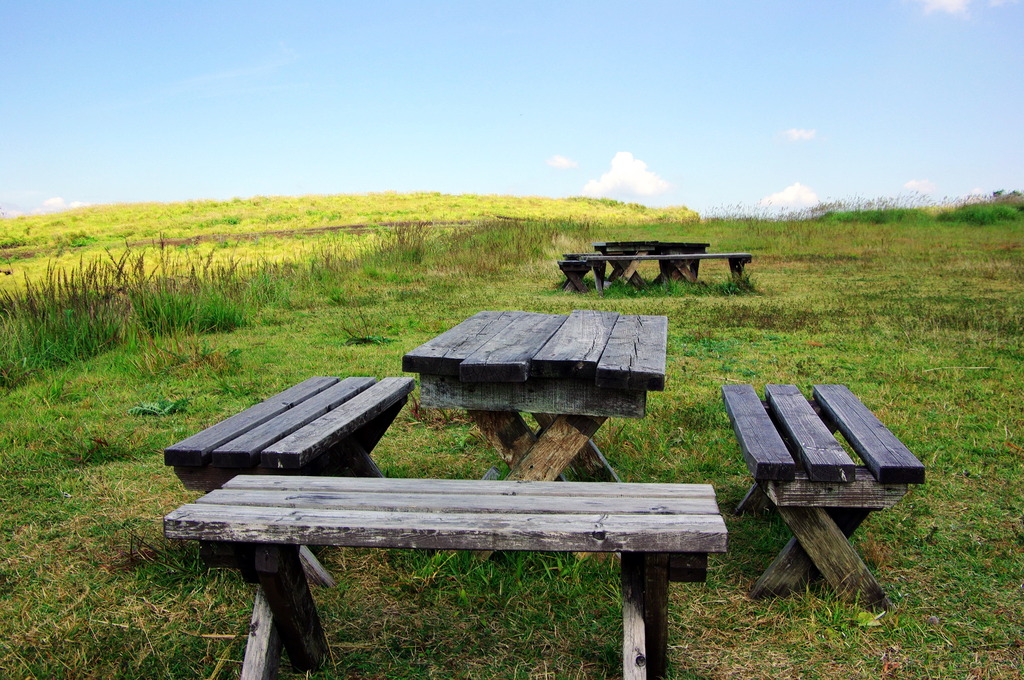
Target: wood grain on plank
<point>506,356</point>
<point>309,442</point>
<point>574,350</point>
<point>244,450</point>
<point>634,358</point>
<point>443,354</point>
<point>886,456</point>
<point>823,458</point>
<point>197,449</point>
<point>763,449</point>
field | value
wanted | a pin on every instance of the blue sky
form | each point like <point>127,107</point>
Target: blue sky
<point>698,103</point>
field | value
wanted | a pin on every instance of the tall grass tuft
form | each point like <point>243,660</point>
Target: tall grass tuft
<point>77,313</point>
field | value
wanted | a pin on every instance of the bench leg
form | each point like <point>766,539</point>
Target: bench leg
<point>825,545</point>
<point>295,616</point>
<point>736,267</point>
<point>755,501</point>
<point>574,282</point>
<point>644,615</point>
<point>263,649</point>
<point>793,569</point>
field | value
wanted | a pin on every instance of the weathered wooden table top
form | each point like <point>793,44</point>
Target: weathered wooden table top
<point>612,350</point>
<point>653,247</point>
<point>585,363</point>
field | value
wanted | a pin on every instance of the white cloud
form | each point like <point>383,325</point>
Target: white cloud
<point>561,162</point>
<point>948,6</point>
<point>794,196</point>
<point>57,204</point>
<point>799,135</point>
<point>628,176</point>
<point>921,186</point>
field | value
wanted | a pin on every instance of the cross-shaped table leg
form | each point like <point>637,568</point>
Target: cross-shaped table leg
<point>540,456</point>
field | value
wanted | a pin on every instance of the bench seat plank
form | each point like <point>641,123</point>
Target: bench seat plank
<point>309,442</point>
<point>460,503</point>
<point>888,459</point>
<point>444,487</point>
<point>634,358</point>
<point>197,450</point>
<point>557,516</point>
<point>593,532</point>
<point>763,449</point>
<point>443,354</point>
<point>574,350</point>
<point>244,451</point>
<point>823,458</point>
<point>506,357</point>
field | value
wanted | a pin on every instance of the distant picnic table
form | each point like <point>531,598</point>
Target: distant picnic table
<point>677,261</point>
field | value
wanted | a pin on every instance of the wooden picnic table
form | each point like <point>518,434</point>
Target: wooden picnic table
<point>627,268</point>
<point>571,372</point>
<point>648,247</point>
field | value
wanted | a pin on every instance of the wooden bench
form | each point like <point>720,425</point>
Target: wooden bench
<point>322,426</point>
<point>663,531</point>
<point>802,470</point>
<point>672,267</point>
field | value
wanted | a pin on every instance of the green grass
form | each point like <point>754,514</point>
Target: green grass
<point>923,318</point>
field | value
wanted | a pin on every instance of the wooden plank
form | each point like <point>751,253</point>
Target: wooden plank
<point>196,450</point>
<point>833,555</point>
<point>244,450</point>
<point>537,395</point>
<point>316,573</point>
<point>506,356</point>
<point>634,631</point>
<point>443,354</point>
<point>480,503</point>
<point>863,492</point>
<point>263,648</point>
<point>574,350</point>
<point>888,459</point>
<point>295,615</point>
<point>634,357</point>
<point>557,444</point>
<point>763,449</point>
<point>823,458</point>
<point>656,612</point>
<point>309,442</point>
<point>560,532</point>
<point>463,486</point>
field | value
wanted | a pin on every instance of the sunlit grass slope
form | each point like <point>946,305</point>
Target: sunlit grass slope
<point>922,316</point>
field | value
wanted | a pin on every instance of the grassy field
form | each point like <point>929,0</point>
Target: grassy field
<point>920,313</point>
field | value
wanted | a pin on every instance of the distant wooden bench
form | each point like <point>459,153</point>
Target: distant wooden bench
<point>672,267</point>
<point>664,532</point>
<point>802,470</point>
<point>322,426</point>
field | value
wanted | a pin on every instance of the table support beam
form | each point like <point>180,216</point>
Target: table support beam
<point>557,444</point>
<point>295,616</point>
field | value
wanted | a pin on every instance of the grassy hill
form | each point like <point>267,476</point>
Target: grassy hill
<point>920,313</point>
